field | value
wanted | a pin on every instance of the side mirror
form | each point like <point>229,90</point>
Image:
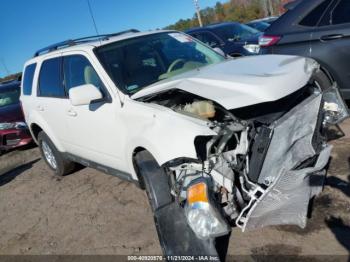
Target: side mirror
<point>84,94</point>
<point>219,50</point>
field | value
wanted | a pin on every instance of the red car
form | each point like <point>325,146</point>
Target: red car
<point>13,129</point>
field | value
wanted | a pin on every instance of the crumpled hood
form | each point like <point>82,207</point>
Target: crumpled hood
<point>241,82</point>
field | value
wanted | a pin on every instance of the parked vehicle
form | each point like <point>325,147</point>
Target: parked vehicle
<point>233,39</point>
<point>263,23</point>
<point>215,142</point>
<point>13,129</point>
<point>258,25</point>
<point>269,19</point>
<point>319,29</point>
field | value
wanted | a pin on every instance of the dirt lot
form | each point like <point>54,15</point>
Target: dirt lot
<point>92,213</point>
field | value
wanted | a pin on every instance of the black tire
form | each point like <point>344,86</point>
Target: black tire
<point>236,55</point>
<point>154,179</point>
<point>321,80</point>
<point>63,166</point>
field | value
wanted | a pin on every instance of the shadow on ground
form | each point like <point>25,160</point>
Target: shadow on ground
<point>340,184</point>
<point>340,230</point>
<point>8,176</point>
<point>22,148</point>
<point>334,133</point>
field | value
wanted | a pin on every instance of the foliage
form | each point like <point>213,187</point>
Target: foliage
<point>233,10</point>
<point>10,77</point>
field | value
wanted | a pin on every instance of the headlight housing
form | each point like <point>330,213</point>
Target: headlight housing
<point>203,217</point>
<point>311,66</point>
<point>13,125</point>
<point>251,48</point>
<point>335,110</point>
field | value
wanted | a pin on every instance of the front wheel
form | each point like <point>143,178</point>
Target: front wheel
<point>175,235</point>
<point>53,158</point>
<point>321,80</point>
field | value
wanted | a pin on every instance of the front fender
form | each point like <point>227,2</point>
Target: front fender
<point>167,135</point>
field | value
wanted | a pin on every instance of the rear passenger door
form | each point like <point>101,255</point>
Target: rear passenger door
<point>331,43</point>
<point>51,100</point>
<point>298,41</point>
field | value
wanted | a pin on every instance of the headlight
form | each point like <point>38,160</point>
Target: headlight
<point>13,125</point>
<point>311,66</point>
<point>252,48</point>
<point>334,107</point>
<point>203,218</point>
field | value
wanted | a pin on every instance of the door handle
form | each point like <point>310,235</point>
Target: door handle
<point>331,37</point>
<point>71,112</point>
<point>40,108</point>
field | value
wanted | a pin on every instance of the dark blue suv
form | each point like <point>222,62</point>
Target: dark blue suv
<point>232,38</point>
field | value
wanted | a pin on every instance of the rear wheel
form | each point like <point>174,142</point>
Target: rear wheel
<point>53,158</point>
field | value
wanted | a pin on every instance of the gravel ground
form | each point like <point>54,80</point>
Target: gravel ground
<point>92,213</point>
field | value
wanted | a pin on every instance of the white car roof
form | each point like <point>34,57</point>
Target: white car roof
<point>88,45</point>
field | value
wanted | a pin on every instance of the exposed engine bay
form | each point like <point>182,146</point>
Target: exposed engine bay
<point>264,165</point>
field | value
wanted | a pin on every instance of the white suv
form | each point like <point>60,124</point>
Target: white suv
<point>215,141</point>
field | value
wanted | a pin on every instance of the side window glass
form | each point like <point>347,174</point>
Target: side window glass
<point>327,17</point>
<point>50,81</point>
<point>79,71</point>
<point>208,38</point>
<point>28,79</point>
<point>341,13</point>
<point>315,15</point>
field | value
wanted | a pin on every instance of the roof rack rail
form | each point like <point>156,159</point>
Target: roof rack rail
<point>72,42</point>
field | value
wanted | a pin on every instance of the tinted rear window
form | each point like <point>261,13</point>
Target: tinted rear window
<point>50,81</point>
<point>28,79</point>
<point>315,15</point>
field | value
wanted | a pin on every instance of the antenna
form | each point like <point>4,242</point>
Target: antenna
<point>92,16</point>
<point>5,67</point>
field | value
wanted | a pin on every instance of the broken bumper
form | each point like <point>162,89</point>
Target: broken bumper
<point>287,183</point>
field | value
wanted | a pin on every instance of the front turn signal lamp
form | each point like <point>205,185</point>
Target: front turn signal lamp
<point>203,217</point>
<point>197,193</point>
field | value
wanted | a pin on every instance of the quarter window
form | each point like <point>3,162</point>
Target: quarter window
<point>79,71</point>
<point>341,14</point>
<point>28,79</point>
<point>315,15</point>
<point>50,81</point>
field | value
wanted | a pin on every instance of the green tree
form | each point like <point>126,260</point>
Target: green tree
<point>232,10</point>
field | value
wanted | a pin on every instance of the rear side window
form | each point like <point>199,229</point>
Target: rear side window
<point>341,14</point>
<point>315,15</point>
<point>79,71</point>
<point>207,38</point>
<point>50,80</point>
<point>28,79</point>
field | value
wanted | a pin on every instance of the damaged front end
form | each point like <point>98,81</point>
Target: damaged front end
<point>264,165</point>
